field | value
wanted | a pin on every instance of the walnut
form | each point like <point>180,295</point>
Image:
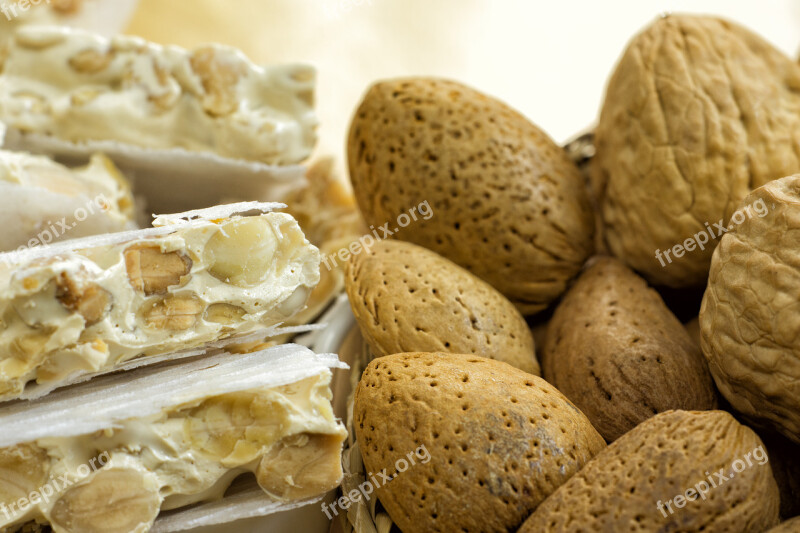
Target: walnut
<point>750,317</point>
<point>698,112</point>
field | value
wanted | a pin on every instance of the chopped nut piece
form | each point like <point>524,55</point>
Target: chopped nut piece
<point>90,61</point>
<point>28,350</point>
<point>83,96</point>
<point>92,302</point>
<point>151,271</point>
<point>225,314</point>
<point>219,77</point>
<point>38,41</point>
<point>35,102</point>
<point>114,501</point>
<point>301,466</point>
<point>66,7</point>
<point>169,96</point>
<point>173,313</point>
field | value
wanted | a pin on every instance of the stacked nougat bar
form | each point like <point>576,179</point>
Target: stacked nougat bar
<point>135,364</point>
<point>169,436</point>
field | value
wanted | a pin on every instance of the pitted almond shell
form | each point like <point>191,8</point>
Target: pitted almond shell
<point>498,441</point>
<point>406,299</point>
<point>620,354</point>
<point>659,460</point>
<point>507,203</point>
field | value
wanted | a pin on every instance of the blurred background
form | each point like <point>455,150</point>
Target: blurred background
<point>548,59</point>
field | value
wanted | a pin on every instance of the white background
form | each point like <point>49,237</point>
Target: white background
<point>549,59</point>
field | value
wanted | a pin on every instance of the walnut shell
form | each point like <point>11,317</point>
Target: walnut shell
<point>408,299</point>
<point>697,113</point>
<point>498,441</point>
<point>642,482</point>
<point>750,317</point>
<point>615,350</point>
<point>507,203</point>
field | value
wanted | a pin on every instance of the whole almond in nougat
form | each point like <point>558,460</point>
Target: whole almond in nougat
<point>115,500</point>
<point>498,440</point>
<point>642,481</point>
<point>508,204</point>
<point>408,299</point>
<point>617,352</point>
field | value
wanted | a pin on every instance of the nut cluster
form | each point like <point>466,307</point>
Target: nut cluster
<point>683,185</point>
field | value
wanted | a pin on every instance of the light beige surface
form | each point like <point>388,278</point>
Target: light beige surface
<point>548,59</point>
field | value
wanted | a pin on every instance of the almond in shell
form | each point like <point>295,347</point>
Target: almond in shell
<point>678,471</point>
<point>409,299</point>
<point>620,354</point>
<point>472,444</point>
<point>506,202</point>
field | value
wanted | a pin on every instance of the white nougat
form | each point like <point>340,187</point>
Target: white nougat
<point>191,128</point>
<point>168,436</point>
<point>93,305</point>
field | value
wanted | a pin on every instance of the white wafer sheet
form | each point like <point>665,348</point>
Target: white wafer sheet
<point>103,402</point>
<point>249,502</point>
<point>171,179</point>
<point>163,225</point>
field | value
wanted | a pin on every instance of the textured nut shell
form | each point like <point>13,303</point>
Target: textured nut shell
<point>750,317</point>
<point>658,460</point>
<point>508,204</point>
<point>409,299</point>
<point>697,113</point>
<point>617,352</point>
<point>790,526</point>
<point>499,440</point>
